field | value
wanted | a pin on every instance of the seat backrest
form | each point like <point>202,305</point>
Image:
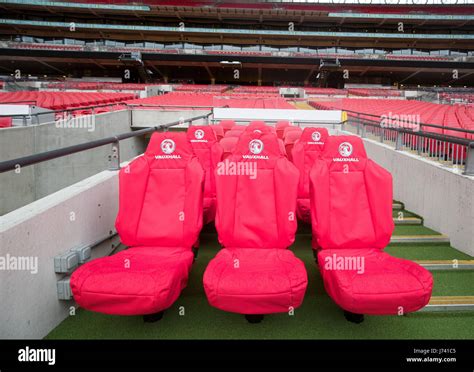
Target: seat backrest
<point>290,129</point>
<point>227,125</point>
<point>239,128</point>
<point>219,131</point>
<point>160,194</point>
<point>256,202</point>
<point>306,150</point>
<point>280,127</point>
<point>289,141</point>
<point>351,197</point>
<point>233,133</point>
<point>202,139</point>
<point>228,145</point>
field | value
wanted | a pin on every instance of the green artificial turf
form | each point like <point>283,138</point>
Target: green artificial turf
<point>318,318</point>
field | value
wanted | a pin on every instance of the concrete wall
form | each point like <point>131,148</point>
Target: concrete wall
<point>444,198</point>
<point>29,307</point>
<point>37,181</point>
<point>151,118</point>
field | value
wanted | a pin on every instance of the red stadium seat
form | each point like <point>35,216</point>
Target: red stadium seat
<point>304,153</point>
<point>254,273</point>
<point>202,139</point>
<point>233,133</point>
<point>219,131</point>
<point>289,141</point>
<point>280,127</point>
<point>351,211</point>
<point>228,145</point>
<point>227,125</point>
<point>159,218</point>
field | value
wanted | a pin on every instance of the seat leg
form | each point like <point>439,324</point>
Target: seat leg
<point>152,318</point>
<point>315,256</point>
<point>195,253</point>
<point>354,318</point>
<point>254,318</point>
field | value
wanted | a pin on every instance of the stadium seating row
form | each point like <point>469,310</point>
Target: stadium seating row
<point>161,213</point>
<point>63,100</point>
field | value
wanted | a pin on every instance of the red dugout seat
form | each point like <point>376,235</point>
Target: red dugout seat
<point>351,211</point>
<point>219,131</point>
<point>203,139</point>
<point>159,218</point>
<point>280,127</point>
<point>233,133</point>
<point>306,150</point>
<point>289,141</point>
<point>228,145</point>
<point>254,273</point>
<point>227,125</point>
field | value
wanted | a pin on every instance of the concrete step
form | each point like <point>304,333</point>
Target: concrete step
<point>449,304</point>
<point>446,264</point>
<point>397,206</point>
<point>408,221</point>
<point>409,239</point>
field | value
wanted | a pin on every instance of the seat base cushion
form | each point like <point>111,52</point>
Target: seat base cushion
<point>255,281</point>
<point>303,212</point>
<point>369,281</point>
<point>136,281</point>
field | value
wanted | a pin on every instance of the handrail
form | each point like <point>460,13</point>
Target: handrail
<point>421,124</point>
<point>12,164</point>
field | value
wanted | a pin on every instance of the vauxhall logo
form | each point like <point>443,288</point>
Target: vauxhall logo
<point>255,147</point>
<point>168,146</point>
<point>316,138</point>
<point>199,136</point>
<point>345,150</point>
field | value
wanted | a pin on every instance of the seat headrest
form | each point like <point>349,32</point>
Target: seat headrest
<point>260,147</point>
<point>292,137</point>
<point>201,134</point>
<point>169,150</point>
<point>314,138</point>
<point>282,124</point>
<point>227,124</point>
<point>291,128</point>
<point>228,143</point>
<point>233,133</point>
<point>256,124</point>
<point>342,150</point>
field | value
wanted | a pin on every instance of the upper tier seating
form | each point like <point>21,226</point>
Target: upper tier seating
<point>159,218</point>
<point>351,212</point>
<point>306,150</point>
<point>254,273</point>
<point>203,140</point>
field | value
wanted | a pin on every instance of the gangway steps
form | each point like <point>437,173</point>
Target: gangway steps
<point>407,221</point>
<point>409,239</point>
<point>446,264</point>
<point>449,303</point>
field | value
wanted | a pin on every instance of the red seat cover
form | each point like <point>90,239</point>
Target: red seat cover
<point>159,218</point>
<point>280,127</point>
<point>219,131</point>
<point>228,145</point>
<point>305,151</point>
<point>227,125</point>
<point>289,141</point>
<point>256,221</point>
<point>351,212</point>
<point>202,139</point>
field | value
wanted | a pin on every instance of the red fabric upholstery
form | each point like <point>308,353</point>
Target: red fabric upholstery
<point>227,125</point>
<point>280,127</point>
<point>219,131</point>
<point>306,150</point>
<point>202,139</point>
<point>289,140</point>
<point>255,230</point>
<point>351,212</point>
<point>228,145</point>
<point>159,218</point>
<point>233,133</point>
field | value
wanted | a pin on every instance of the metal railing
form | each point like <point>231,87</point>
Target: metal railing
<point>114,157</point>
<point>451,151</point>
